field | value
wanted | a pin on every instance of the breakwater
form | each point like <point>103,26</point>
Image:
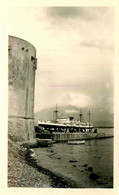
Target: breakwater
<point>79,136</point>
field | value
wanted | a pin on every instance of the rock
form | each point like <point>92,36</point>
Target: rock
<point>73,161</point>
<point>29,144</point>
<point>44,142</point>
<point>32,153</point>
<point>23,151</point>
<point>85,165</point>
<point>74,165</point>
<point>90,168</point>
<point>94,176</point>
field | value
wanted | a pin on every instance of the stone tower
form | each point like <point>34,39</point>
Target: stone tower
<point>21,77</point>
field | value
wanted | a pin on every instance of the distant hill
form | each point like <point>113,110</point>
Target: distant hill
<point>98,118</point>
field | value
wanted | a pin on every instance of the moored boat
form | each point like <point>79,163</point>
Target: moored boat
<point>76,142</point>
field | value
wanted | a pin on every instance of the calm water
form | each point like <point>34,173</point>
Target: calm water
<point>97,154</point>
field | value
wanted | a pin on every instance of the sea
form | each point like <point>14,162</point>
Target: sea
<point>89,165</point>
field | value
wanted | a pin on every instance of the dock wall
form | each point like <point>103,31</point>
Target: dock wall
<point>79,136</point>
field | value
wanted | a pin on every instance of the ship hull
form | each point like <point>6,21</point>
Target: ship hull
<point>65,128</point>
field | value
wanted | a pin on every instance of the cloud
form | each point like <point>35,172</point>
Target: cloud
<point>99,44</point>
<point>79,100</point>
<point>84,13</point>
<point>71,111</point>
<point>63,12</point>
<point>68,41</point>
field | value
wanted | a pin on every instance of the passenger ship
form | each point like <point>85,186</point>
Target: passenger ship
<point>66,124</point>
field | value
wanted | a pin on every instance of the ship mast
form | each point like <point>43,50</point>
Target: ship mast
<point>56,111</point>
<point>89,117</point>
<point>80,116</point>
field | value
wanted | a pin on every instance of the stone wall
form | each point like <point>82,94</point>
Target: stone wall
<point>79,136</point>
<point>21,77</point>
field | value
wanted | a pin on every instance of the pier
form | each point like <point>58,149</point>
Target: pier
<point>79,136</point>
<point>65,136</point>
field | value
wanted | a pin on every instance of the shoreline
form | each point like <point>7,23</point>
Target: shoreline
<point>66,168</point>
<point>24,171</point>
<point>33,171</point>
<point>56,181</point>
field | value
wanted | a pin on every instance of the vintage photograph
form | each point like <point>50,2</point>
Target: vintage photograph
<point>61,97</point>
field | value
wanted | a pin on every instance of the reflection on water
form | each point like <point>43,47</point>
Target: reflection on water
<point>78,162</point>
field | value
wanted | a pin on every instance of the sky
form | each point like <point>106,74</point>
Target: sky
<point>75,52</point>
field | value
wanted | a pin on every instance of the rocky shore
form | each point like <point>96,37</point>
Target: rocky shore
<point>45,168</point>
<point>23,170</point>
<point>20,174</point>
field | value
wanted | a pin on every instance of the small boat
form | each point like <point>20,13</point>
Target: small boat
<point>75,142</point>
